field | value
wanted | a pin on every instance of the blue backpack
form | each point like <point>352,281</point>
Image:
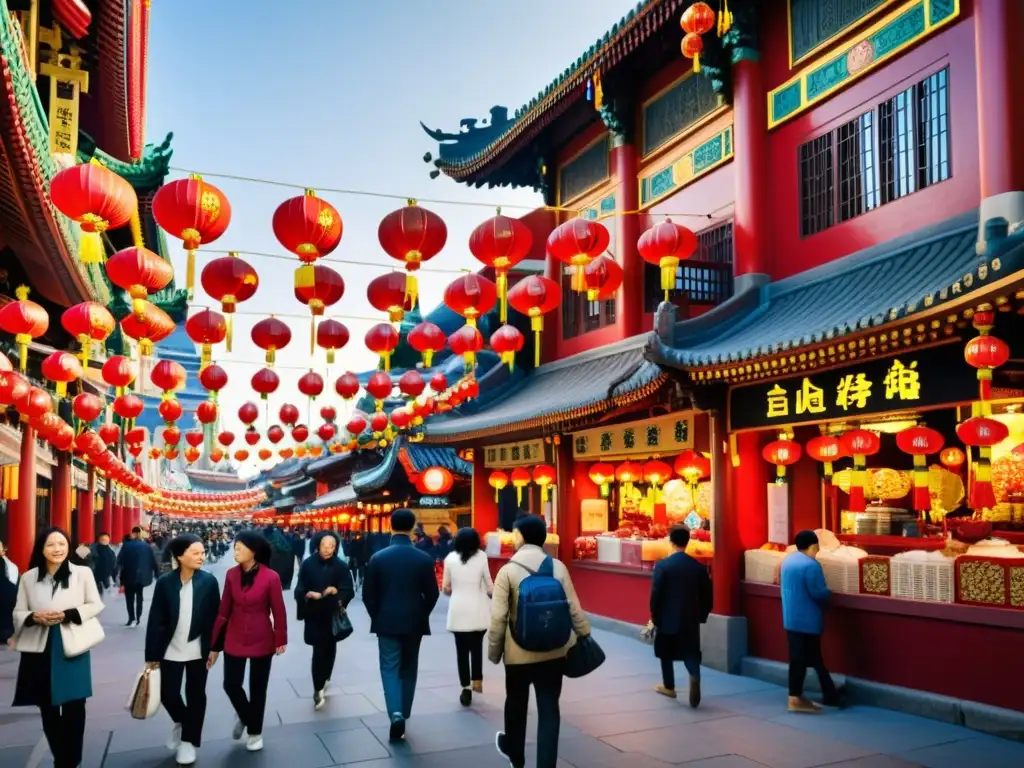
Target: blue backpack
<point>543,622</point>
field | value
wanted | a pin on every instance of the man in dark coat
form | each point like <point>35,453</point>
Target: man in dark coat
<point>137,566</point>
<point>400,591</point>
<point>103,562</point>
<point>680,602</point>
<point>282,558</point>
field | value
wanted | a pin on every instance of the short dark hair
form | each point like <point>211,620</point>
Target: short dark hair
<point>102,533</point>
<point>136,529</point>
<point>466,543</point>
<point>805,540</point>
<point>532,528</point>
<point>180,544</point>
<point>255,542</point>
<point>403,520</point>
<point>679,535</point>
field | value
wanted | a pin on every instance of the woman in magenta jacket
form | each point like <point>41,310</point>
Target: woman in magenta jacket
<point>251,626</point>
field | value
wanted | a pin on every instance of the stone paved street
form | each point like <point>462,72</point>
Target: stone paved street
<point>611,719</point>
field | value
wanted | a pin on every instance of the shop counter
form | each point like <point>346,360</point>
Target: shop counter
<point>954,650</point>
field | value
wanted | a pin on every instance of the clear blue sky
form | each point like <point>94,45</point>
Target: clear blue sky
<point>330,93</point>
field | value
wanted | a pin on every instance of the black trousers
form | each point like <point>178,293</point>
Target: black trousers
<point>189,712</point>
<point>250,709</point>
<point>469,655</point>
<point>64,727</point>
<point>323,664</point>
<point>804,653</point>
<point>133,598</point>
<point>546,679</point>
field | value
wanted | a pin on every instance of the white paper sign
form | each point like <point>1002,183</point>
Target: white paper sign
<point>778,513</point>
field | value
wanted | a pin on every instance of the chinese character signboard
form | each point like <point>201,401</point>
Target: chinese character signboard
<point>922,378</point>
<point>662,435</point>
<point>67,82</point>
<point>525,454</point>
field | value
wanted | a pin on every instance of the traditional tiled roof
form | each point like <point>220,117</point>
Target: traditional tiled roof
<point>474,148</point>
<point>566,390</point>
<point>336,498</point>
<point>288,469</point>
<point>147,173</point>
<point>888,283</point>
<point>374,479</point>
<point>298,487</point>
<point>328,463</point>
<point>417,458</point>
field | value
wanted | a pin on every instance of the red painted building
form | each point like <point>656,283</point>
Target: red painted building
<point>857,193</point>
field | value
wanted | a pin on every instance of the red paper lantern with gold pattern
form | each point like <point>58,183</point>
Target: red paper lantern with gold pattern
<point>692,47</point>
<point>603,277</point>
<point>148,328</point>
<point>347,385</point>
<point>859,443</point>
<point>665,245</point>
<point>206,328</point>
<point>88,322</point>
<point>412,235</point>
<point>471,296</point>
<point>331,335</point>
<point>195,212</point>
<point>427,339</point>
<point>782,453</point>
<point>229,280</point>
<point>318,287</point>
<point>382,339</point>
<point>140,273</point>
<point>24,320</point>
<point>61,368</point>
<point>577,242</point>
<point>982,433</point>
<point>920,442</point>
<point>265,382</point>
<point>986,353</point>
<point>826,449</point>
<point>270,334</point>
<point>507,341</point>
<point>97,199</point>
<point>387,293</point>
<point>534,296</point>
<point>501,243</point>
<point>698,18</point>
<point>307,226</point>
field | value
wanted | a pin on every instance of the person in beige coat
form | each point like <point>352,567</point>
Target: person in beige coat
<point>525,668</point>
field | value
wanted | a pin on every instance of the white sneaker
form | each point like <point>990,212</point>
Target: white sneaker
<point>254,743</point>
<point>186,754</point>
<point>175,741</point>
<point>319,700</point>
<point>238,731</point>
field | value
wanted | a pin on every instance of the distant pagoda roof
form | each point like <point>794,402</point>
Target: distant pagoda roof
<point>147,173</point>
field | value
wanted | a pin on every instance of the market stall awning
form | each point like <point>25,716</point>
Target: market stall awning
<point>590,382</point>
<point>418,458</point>
<point>895,281</point>
<point>339,497</point>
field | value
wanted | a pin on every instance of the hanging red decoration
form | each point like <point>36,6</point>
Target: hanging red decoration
<point>88,322</point>
<point>356,425</point>
<point>275,434</point>
<point>985,353</point>
<point>501,243</point>
<point>216,455</point>
<point>467,341</point>
<point>229,280</point>
<point>781,453</point>
<point>63,437</point>
<point>289,414</point>
<point>271,334</point>
<point>471,296</point>
<point>920,442</point>
<point>388,293</point>
<point>439,382</point>
<point>89,444</point>
<point>382,339</point>
<point>252,437</point>
<point>379,387</point>
<point>213,378</point>
<point>97,199</point>
<point>378,423</point>
<point>692,47</point>
<point>982,432</point>
<point>952,458</point>
<point>577,242</point>
<point>328,413</point>
<point>149,328</point>
<point>326,432</point>
<point>520,478</point>
<point>307,226</point>
<point>195,439</point>
<point>859,443</point>
<point>311,384</point>
<point>826,449</point>
<point>119,373</point>
<point>507,341</point>
<point>401,418</point>
<point>87,407</point>
<point>241,455</point>
<point>191,455</point>
<point>534,296</point>
<point>168,376</point>
<point>206,328</point>
<point>265,382</point>
<point>109,433</point>
<point>498,480</point>
<point>24,320</point>
<point>434,481</point>
<point>265,454</point>
<point>665,245</point>
<point>331,335</point>
<point>427,339</point>
<point>195,212</point>
<point>603,277</point>
<point>544,477</point>
<point>318,287</point>
<point>286,453</point>
<point>206,412</point>
<point>656,473</point>
<point>300,433</point>
<point>171,435</point>
<point>692,467</point>
<point>411,384</point>
<point>248,413</point>
<point>140,273</point>
<point>347,385</point>
<point>135,436</point>
<point>412,235</point>
<point>61,368</point>
<point>226,438</point>
<point>128,407</point>
<point>34,403</point>
<point>12,387</point>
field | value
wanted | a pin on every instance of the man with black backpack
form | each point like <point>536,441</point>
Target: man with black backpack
<point>535,620</point>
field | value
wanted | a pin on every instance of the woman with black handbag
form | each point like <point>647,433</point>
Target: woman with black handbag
<point>323,591</point>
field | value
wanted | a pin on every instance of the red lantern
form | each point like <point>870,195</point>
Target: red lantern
<point>206,328</point>
<point>326,432</point>
<point>471,296</point>
<point>191,455</point>
<point>171,435</point>
<point>248,413</point>
<point>859,443</point>
<point>920,442</point>
<point>300,433</point>
<point>378,423</point>
<point>507,341</point>
<point>379,387</point>
<point>467,341</point>
<point>213,378</point>
<point>229,280</point>
<point>952,458</point>
<point>252,437</point>
<point>781,453</point>
<point>97,199</point>
<point>271,334</point>
<point>692,467</point>
<point>118,372</point>
<point>140,273</point>
<point>25,320</point>
<point>986,353</point>
<point>155,453</point>
<point>241,455</point>
<point>88,322</point>
<point>665,245</point>
<point>411,384</point>
<point>307,226</point>
<point>577,242</point>
<point>90,444</point>
<point>61,368</point>
<point>226,438</point>
<point>439,382</point>
<point>602,276</point>
<point>265,382</point>
<point>12,387</point>
<point>427,338</point>
<point>544,476</point>
<point>498,480</point>
<point>388,293</point>
<point>328,413</point>
<point>401,418</point>
<point>982,432</point>
<point>150,327</point>
<point>216,455</point>
<point>356,424</point>
<point>168,376</point>
<point>87,407</point>
<point>265,453</point>
<point>286,453</point>
<point>206,412</point>
<point>193,211</point>
<point>698,19</point>
<point>347,385</point>
<point>331,336</point>
<point>311,384</point>
<point>275,434</point>
<point>288,414</point>
<point>412,235</point>
<point>826,449</point>
<point>34,403</point>
<point>63,437</point>
<point>382,339</point>
<point>318,287</point>
<point>500,243</point>
<point>128,407</point>
<point>692,47</point>
<point>534,296</point>
<point>434,481</point>
<point>520,478</point>
<point>109,433</point>
<point>657,473</point>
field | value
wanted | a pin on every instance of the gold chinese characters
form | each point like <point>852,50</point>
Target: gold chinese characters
<point>853,392</point>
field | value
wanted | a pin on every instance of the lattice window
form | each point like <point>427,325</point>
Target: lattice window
<point>705,278</point>
<point>817,185</point>
<point>858,187</point>
<point>933,129</point>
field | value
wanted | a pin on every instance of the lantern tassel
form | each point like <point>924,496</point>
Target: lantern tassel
<point>411,289</point>
<point>62,389</point>
<point>90,248</point>
<point>536,325</point>
<point>23,340</point>
<point>386,359</point>
<point>510,358</point>
<point>502,280</point>
<point>428,357</point>
<point>696,63</point>
<point>857,480</point>
<point>922,498</point>
<point>136,225</point>
<point>579,282</point>
<point>982,496</point>
<point>229,324</point>
<point>190,272</point>
<point>668,265</point>
<point>780,474</point>
<point>86,342</point>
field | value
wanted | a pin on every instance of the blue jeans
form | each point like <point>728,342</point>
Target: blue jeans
<point>399,662</point>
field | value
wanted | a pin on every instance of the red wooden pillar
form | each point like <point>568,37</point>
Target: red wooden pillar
<point>485,508</point>
<point>107,516</point>
<point>60,493</point>
<point>750,146</point>
<point>997,25</point>
<point>627,232</point>
<point>568,502</point>
<point>553,332</point>
<point>87,509</point>
<point>21,512</point>
<point>117,519</point>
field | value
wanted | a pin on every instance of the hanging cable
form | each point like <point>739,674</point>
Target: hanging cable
<point>346,262</point>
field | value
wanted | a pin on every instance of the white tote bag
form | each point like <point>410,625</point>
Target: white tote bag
<point>79,638</point>
<point>144,700</point>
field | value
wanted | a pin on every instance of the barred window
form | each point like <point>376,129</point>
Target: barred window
<point>817,192</point>
<point>580,315</point>
<point>913,133</point>
<point>704,278</point>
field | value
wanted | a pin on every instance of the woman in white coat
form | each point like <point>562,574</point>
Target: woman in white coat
<point>467,579</point>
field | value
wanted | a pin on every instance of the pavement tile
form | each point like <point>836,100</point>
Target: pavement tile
<point>981,751</point>
<point>352,746</point>
<point>436,733</point>
<point>616,723</point>
<point>875,761</point>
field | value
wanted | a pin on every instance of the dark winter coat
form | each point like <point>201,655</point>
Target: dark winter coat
<point>316,575</point>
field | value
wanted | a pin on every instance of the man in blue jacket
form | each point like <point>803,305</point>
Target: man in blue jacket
<point>803,593</point>
<point>399,593</point>
<point>137,566</point>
